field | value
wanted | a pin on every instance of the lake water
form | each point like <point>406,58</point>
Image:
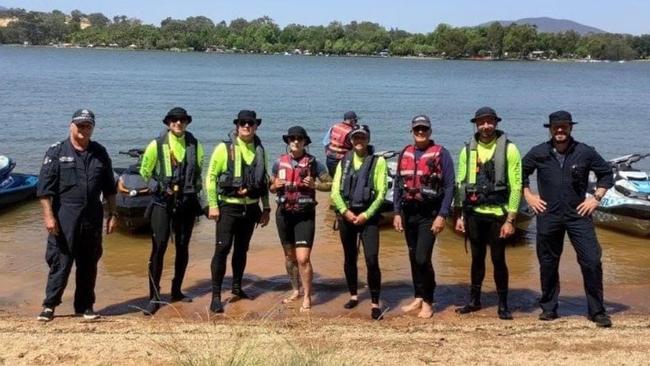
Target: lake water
<point>130,92</point>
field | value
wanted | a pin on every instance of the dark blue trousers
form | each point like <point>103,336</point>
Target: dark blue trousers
<point>85,253</point>
<point>551,229</point>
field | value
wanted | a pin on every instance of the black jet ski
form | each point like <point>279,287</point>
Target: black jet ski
<point>626,206</point>
<point>15,187</point>
<point>133,194</point>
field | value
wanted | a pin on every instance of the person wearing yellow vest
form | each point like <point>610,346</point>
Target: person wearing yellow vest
<point>174,159</point>
<point>236,181</point>
<point>295,177</point>
<point>488,191</point>
<point>358,191</point>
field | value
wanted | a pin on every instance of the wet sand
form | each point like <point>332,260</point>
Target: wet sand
<point>122,285</point>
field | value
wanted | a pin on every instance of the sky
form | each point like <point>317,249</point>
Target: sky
<point>621,16</point>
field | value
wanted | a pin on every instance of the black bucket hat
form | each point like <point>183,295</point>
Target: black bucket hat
<point>296,131</point>
<point>83,115</point>
<point>177,112</point>
<point>485,112</point>
<point>559,116</point>
<point>246,115</point>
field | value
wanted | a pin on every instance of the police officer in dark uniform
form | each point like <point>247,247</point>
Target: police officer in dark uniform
<point>74,175</point>
<point>563,165</point>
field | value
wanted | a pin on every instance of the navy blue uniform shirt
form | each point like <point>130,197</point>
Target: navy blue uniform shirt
<point>563,186</point>
<point>75,181</point>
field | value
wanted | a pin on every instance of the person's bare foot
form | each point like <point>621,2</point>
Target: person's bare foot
<point>306,304</point>
<point>294,296</point>
<point>415,305</point>
<point>426,311</point>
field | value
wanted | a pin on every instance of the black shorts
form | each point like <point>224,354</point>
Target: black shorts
<point>296,228</point>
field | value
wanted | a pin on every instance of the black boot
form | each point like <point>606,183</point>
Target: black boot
<point>474,302</point>
<point>177,294</point>
<point>239,294</point>
<point>215,305</point>
<point>503,312</point>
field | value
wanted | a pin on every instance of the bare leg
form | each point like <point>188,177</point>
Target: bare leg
<point>292,270</point>
<point>306,274</point>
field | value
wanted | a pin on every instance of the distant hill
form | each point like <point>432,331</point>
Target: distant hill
<point>551,25</point>
<point>2,8</point>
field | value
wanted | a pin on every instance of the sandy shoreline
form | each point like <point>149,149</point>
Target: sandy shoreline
<point>263,331</point>
<point>312,340</point>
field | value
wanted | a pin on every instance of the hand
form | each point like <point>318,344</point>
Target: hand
<point>349,216</point>
<point>213,213</point>
<point>278,183</point>
<point>360,219</point>
<point>438,225</point>
<point>587,207</point>
<point>51,225</point>
<point>507,229</point>
<point>535,202</point>
<point>397,223</point>
<point>111,224</point>
<point>264,219</point>
<point>460,225</point>
<point>309,181</point>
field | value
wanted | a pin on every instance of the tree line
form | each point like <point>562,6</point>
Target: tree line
<point>262,35</point>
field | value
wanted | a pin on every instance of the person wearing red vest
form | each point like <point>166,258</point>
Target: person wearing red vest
<point>336,141</point>
<point>423,191</point>
<point>295,176</point>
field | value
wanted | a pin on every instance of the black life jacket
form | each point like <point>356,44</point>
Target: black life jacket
<point>185,176</point>
<point>251,179</point>
<point>358,188</point>
<point>486,183</point>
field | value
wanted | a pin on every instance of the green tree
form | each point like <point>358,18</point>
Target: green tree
<point>519,40</point>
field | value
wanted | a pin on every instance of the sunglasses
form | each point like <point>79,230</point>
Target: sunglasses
<point>421,129</point>
<point>296,138</point>
<point>177,120</point>
<point>246,123</point>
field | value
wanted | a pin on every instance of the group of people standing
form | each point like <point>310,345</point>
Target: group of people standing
<point>485,190</point>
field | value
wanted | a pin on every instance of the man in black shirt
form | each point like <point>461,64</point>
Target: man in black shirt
<point>563,165</point>
<point>74,175</point>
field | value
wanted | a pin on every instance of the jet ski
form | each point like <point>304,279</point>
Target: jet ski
<point>626,206</point>
<point>133,194</point>
<point>386,208</point>
<point>15,187</point>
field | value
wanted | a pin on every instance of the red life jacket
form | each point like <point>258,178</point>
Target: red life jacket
<point>295,196</point>
<point>339,143</point>
<point>421,178</point>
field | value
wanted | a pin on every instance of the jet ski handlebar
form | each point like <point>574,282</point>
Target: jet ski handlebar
<point>134,153</point>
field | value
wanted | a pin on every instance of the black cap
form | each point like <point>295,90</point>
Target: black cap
<point>421,120</point>
<point>246,115</point>
<point>559,116</point>
<point>296,131</point>
<point>83,115</point>
<point>485,112</point>
<point>179,113</point>
<point>363,129</point>
<point>350,116</point>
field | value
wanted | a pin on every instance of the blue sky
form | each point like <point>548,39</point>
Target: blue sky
<point>622,16</point>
